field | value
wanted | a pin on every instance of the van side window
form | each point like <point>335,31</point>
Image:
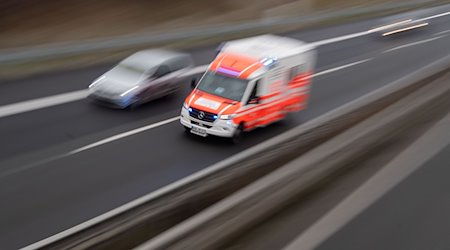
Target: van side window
<point>294,71</point>
<point>254,93</point>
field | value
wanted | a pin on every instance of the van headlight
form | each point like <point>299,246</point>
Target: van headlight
<point>227,117</point>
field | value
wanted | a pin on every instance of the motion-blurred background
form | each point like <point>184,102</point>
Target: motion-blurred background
<point>34,22</point>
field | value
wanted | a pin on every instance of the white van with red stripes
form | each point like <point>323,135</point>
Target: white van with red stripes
<point>251,83</point>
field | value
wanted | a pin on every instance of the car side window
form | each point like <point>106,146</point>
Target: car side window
<point>180,63</point>
<point>162,71</point>
<point>176,64</point>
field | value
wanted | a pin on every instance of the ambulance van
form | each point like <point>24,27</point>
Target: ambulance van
<point>251,83</point>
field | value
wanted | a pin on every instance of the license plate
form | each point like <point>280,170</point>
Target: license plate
<point>199,131</point>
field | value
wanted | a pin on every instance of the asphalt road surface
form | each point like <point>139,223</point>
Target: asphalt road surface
<point>413,215</point>
<point>46,186</point>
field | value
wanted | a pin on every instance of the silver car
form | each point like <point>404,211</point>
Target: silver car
<point>141,77</point>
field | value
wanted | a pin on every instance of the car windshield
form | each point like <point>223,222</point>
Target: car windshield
<point>223,86</point>
<point>130,68</point>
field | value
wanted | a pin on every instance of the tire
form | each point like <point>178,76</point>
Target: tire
<point>133,106</point>
<point>237,136</point>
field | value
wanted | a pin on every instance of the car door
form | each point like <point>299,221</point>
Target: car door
<point>159,85</point>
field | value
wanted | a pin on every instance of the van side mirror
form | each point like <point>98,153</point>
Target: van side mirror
<point>193,82</point>
<point>254,100</point>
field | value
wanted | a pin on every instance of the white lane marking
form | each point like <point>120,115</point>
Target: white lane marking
<point>44,102</point>
<point>123,135</point>
<point>339,39</point>
<point>442,32</point>
<point>376,187</point>
<point>340,67</point>
<point>412,44</point>
<point>435,16</point>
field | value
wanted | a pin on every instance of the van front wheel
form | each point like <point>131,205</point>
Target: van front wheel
<point>237,136</point>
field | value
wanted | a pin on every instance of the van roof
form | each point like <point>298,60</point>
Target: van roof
<point>265,46</point>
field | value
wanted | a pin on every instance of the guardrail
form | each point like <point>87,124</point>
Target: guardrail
<point>125,42</point>
<point>137,221</point>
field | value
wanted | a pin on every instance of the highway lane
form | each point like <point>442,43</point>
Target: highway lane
<point>52,83</point>
<point>61,124</point>
<point>43,199</point>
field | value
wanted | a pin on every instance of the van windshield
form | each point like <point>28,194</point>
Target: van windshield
<point>224,86</point>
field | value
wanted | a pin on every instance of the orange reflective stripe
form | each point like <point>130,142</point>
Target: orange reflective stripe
<point>265,97</point>
<point>301,79</point>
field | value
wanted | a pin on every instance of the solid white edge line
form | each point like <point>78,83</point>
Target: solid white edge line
<point>412,44</point>
<point>434,16</point>
<point>373,189</point>
<point>43,102</point>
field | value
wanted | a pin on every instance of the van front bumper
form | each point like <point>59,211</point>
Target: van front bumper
<point>221,128</point>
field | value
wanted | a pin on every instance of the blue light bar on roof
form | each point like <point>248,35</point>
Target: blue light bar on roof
<point>268,61</point>
<point>228,71</point>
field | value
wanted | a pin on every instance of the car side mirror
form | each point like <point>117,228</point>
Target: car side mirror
<point>254,100</point>
<point>193,82</point>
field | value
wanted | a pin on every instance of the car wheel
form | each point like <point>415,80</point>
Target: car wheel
<point>135,105</point>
